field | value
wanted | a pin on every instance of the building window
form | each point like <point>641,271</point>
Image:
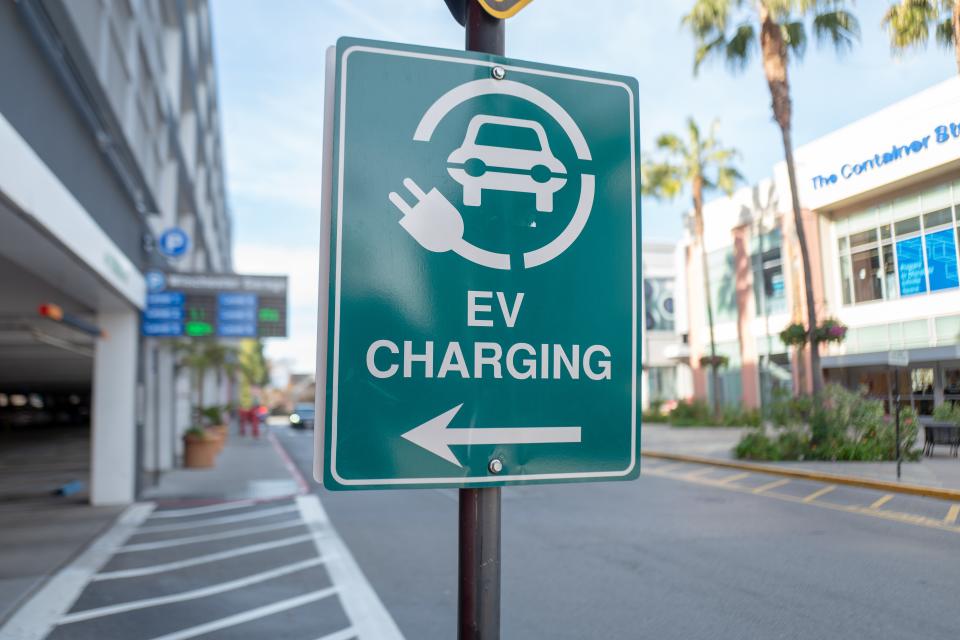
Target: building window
<point>658,301</point>
<point>769,292</point>
<point>902,248</point>
<point>662,382</point>
<point>723,285</point>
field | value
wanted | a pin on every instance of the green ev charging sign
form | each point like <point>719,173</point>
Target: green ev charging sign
<point>479,302</point>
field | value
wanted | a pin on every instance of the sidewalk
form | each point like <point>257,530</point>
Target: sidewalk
<point>246,469</point>
<point>941,471</point>
<point>42,533</point>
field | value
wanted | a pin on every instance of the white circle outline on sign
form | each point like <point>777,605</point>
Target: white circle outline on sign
<point>476,88</point>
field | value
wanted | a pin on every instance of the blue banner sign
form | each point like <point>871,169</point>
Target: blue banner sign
<point>910,262</point>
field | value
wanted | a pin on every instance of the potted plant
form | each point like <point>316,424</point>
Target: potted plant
<point>199,448</point>
<point>213,420</point>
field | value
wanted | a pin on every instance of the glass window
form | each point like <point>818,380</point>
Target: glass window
<point>867,277</point>
<point>913,278</point>
<point>843,243</point>
<point>942,260</point>
<point>845,279</point>
<point>723,285</point>
<point>921,385</point>
<point>937,218</point>
<point>658,300</point>
<point>885,232</point>
<point>948,330</point>
<point>862,238</point>
<point>911,225</point>
<point>889,272</point>
<point>769,292</point>
<point>951,383</point>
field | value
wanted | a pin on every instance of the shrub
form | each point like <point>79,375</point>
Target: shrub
<point>947,412</point>
<point>837,425</point>
<point>691,413</point>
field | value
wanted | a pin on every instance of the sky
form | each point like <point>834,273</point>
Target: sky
<point>270,65</point>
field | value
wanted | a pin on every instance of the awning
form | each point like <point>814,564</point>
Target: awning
<point>882,358</point>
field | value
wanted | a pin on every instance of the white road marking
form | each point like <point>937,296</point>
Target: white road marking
<point>230,585</point>
<point>176,542</point>
<point>35,619</point>
<point>247,616</point>
<point>360,602</point>
<point>192,562</point>
<point>346,634</point>
<point>207,508</point>
<point>212,522</point>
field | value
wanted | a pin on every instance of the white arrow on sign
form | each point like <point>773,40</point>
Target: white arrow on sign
<point>434,436</point>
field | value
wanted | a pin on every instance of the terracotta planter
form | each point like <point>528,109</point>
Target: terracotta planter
<point>220,431</point>
<point>199,452</point>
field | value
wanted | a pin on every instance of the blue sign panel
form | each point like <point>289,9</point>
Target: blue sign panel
<point>942,258</point>
<point>174,242</point>
<point>201,305</point>
<point>910,262</point>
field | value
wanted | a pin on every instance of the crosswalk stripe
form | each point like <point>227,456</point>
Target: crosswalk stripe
<point>205,559</point>
<point>230,585</point>
<point>236,533</point>
<point>247,616</point>
<point>211,522</point>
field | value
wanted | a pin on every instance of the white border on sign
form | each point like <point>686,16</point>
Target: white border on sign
<point>322,347</point>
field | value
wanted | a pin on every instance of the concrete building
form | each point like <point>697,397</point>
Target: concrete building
<point>109,135</point>
<point>879,200</point>
<point>666,374</point>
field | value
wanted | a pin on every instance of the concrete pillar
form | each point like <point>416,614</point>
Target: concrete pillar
<point>166,407</point>
<point>113,419</point>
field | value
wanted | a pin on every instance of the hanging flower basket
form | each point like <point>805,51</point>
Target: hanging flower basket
<point>795,335</point>
<point>718,362</point>
<point>830,330</point>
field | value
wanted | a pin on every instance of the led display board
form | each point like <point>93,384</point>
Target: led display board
<point>198,305</point>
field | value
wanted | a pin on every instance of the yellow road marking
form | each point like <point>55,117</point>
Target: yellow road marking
<point>952,514</point>
<point>882,500</point>
<point>671,467</point>
<point>821,492</point>
<point>883,514</point>
<point>771,485</point>
<point>733,478</point>
<point>698,472</point>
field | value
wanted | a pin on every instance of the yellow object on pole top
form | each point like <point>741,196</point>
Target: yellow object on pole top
<point>503,8</point>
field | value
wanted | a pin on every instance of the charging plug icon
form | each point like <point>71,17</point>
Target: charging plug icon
<point>432,220</point>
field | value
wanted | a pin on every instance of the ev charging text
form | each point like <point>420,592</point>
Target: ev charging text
<point>387,358</point>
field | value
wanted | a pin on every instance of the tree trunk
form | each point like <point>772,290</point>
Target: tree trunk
<point>698,216</point>
<point>955,19</point>
<point>775,68</point>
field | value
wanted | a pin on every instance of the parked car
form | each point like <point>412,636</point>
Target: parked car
<point>302,416</point>
<point>480,167</point>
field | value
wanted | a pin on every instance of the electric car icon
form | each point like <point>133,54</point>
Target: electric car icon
<point>532,169</point>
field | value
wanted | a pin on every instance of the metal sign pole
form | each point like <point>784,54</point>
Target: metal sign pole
<point>478,606</point>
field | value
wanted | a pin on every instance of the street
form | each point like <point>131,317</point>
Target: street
<point>667,556</point>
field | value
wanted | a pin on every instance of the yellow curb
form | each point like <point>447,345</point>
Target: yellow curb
<point>818,476</point>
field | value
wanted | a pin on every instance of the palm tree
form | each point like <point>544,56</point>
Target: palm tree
<point>910,21</point>
<point>728,29</point>
<point>703,164</point>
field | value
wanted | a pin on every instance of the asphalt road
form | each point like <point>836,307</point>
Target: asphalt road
<point>684,552</point>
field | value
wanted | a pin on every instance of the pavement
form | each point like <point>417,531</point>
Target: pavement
<point>940,471</point>
<point>41,531</point>
<point>238,551</point>
<point>686,552</point>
